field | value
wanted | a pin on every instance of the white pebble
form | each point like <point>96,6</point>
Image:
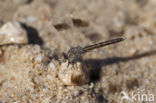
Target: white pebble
<point>30,19</point>
<point>51,65</point>
<point>76,93</point>
<point>38,58</point>
<point>12,32</point>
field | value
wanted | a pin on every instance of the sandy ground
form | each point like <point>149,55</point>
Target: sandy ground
<point>29,73</point>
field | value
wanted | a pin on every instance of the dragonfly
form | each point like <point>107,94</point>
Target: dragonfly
<point>75,54</point>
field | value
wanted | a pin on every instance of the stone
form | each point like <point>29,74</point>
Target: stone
<point>13,33</point>
<point>76,75</point>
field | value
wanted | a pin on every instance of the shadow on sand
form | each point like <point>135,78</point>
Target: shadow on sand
<point>97,64</point>
<point>32,35</point>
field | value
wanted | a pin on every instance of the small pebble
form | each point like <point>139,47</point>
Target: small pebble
<point>12,95</point>
<point>30,19</point>
<point>38,58</point>
<point>12,32</point>
<point>36,49</point>
<point>76,93</point>
<point>51,66</point>
<point>73,76</point>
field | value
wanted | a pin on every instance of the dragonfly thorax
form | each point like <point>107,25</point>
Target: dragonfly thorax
<point>74,54</point>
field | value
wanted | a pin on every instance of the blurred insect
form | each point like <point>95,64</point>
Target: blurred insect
<point>75,53</point>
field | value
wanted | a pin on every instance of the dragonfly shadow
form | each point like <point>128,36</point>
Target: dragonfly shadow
<point>97,64</point>
<point>32,34</point>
